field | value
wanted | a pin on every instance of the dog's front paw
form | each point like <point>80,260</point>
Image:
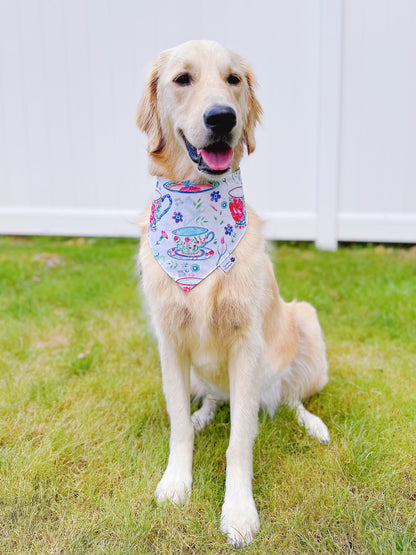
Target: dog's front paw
<point>176,491</point>
<point>240,522</point>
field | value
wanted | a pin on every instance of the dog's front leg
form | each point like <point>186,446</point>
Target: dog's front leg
<point>175,485</point>
<point>239,519</point>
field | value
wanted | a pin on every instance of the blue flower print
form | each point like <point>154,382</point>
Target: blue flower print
<point>223,205</point>
<point>215,196</point>
<point>228,229</point>
<point>195,268</point>
<point>177,216</point>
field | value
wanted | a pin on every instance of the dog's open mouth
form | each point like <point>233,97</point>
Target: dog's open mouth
<point>215,158</point>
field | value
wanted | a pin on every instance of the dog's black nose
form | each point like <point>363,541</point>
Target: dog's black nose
<point>220,119</point>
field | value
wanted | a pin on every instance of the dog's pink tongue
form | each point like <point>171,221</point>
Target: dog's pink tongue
<point>217,160</point>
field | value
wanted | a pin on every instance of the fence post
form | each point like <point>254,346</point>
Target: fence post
<point>329,116</point>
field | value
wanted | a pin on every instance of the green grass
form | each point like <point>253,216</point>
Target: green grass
<point>84,432</point>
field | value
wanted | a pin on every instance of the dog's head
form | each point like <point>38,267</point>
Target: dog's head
<point>198,110</point>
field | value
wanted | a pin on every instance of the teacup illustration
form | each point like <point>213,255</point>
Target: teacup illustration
<point>157,211</point>
<point>236,204</point>
<point>188,283</point>
<point>190,186</point>
<point>190,240</point>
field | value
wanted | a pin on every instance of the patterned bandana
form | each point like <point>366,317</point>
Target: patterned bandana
<point>194,227</point>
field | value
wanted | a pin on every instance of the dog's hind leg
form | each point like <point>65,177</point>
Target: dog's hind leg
<point>312,423</point>
<point>308,372</point>
<point>203,416</point>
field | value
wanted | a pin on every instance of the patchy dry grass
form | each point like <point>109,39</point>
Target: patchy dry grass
<point>84,432</point>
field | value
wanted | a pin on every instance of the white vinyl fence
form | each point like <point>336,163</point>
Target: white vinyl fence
<point>336,152</point>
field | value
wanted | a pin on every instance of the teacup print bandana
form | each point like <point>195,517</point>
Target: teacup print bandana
<point>195,226</point>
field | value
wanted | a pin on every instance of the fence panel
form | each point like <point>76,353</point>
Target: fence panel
<point>335,152</point>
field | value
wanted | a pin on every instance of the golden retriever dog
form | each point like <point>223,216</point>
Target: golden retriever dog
<point>231,337</point>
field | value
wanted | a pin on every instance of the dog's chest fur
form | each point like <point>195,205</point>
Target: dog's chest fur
<point>207,331</point>
<point>208,321</point>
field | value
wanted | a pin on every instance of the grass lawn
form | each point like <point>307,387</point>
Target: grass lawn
<point>84,431</point>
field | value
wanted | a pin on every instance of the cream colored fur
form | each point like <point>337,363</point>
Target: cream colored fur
<point>232,338</point>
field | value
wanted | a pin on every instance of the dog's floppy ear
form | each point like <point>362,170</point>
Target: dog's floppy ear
<point>254,111</point>
<point>147,115</point>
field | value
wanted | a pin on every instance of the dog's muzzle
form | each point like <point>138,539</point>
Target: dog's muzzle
<point>216,157</point>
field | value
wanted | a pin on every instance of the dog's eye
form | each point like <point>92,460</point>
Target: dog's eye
<point>183,79</point>
<point>233,79</point>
